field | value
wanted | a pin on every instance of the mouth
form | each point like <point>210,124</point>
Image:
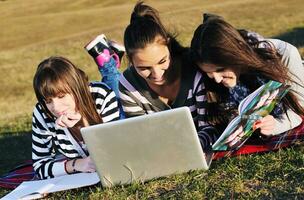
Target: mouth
<point>61,113</point>
<point>161,79</point>
<point>227,82</point>
<point>158,80</point>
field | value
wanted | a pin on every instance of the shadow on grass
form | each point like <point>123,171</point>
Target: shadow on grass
<point>15,148</point>
<point>294,37</point>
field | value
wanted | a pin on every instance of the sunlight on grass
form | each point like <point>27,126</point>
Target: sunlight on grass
<point>33,30</point>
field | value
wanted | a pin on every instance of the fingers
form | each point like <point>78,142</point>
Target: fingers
<point>266,125</point>
<point>68,120</point>
<point>59,121</point>
<point>73,116</point>
<point>71,119</point>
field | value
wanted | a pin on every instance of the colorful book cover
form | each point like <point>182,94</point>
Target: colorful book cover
<point>255,106</point>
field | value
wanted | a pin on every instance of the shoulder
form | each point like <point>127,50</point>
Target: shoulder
<point>99,84</point>
<point>130,80</point>
<point>99,88</point>
<point>39,112</point>
<point>41,119</point>
<point>131,76</point>
<point>290,55</point>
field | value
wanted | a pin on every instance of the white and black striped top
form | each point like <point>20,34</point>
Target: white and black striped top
<point>138,99</point>
<point>49,140</point>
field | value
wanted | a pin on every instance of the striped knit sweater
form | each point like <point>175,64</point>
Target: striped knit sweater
<point>138,99</point>
<point>49,140</point>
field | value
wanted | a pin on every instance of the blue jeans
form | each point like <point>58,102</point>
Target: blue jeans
<point>110,76</point>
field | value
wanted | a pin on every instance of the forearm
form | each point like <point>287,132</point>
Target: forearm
<point>49,168</point>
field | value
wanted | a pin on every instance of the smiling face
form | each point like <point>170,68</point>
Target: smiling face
<point>62,104</point>
<point>152,62</point>
<point>226,76</point>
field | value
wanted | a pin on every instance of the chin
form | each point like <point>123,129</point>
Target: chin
<point>158,83</point>
<point>162,82</point>
<point>229,85</point>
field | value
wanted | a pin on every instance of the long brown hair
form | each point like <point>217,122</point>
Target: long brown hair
<point>57,75</point>
<point>219,43</point>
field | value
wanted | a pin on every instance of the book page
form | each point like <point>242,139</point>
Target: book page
<point>220,144</point>
<point>249,100</point>
<point>37,189</point>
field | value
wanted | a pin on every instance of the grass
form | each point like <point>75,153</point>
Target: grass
<point>33,30</point>
<point>276,175</point>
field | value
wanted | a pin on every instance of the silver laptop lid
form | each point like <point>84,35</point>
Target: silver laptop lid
<point>145,147</point>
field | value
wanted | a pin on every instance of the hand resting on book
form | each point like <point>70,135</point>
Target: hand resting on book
<point>80,165</point>
<point>266,125</point>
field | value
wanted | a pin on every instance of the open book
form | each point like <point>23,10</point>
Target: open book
<point>40,188</point>
<point>254,107</point>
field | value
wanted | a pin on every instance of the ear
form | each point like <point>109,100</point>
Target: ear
<point>130,61</point>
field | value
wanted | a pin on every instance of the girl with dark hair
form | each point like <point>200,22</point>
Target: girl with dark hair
<point>235,63</point>
<point>66,102</point>
<point>160,76</point>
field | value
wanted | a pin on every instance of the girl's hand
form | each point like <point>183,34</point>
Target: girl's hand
<point>85,165</point>
<point>68,120</point>
<point>266,125</point>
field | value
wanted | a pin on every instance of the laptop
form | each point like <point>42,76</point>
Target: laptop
<point>145,147</point>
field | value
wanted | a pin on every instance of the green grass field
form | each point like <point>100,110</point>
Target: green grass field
<point>32,30</point>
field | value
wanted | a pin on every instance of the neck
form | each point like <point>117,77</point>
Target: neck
<point>167,91</point>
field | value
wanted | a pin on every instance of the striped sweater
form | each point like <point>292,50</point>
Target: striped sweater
<point>138,99</point>
<point>49,140</point>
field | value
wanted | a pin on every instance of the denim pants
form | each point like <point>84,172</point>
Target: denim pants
<point>110,76</point>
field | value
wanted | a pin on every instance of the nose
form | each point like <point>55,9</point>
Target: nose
<point>156,73</point>
<point>216,76</point>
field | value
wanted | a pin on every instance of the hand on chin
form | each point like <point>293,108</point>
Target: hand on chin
<point>68,120</point>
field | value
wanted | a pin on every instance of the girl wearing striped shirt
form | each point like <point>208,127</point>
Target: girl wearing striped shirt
<point>66,102</point>
<point>160,76</point>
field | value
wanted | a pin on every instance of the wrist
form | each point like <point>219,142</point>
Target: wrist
<point>73,165</point>
<point>66,167</point>
<point>70,166</point>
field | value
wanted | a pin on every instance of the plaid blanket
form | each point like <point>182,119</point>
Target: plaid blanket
<point>288,138</point>
<point>23,172</point>
<point>15,177</point>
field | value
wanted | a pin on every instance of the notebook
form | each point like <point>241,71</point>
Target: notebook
<point>145,147</point>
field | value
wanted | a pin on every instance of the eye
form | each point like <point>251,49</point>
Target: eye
<point>60,96</point>
<point>48,101</point>
<point>220,69</point>
<point>162,61</point>
<point>143,68</point>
